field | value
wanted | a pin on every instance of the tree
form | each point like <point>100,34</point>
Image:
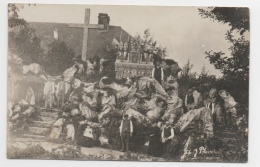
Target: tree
<point>234,67</point>
<point>187,79</point>
<point>206,79</point>
<point>59,58</point>
<point>236,18</point>
<point>147,43</point>
<point>22,39</point>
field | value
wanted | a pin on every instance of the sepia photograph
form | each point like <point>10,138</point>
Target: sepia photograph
<point>128,83</point>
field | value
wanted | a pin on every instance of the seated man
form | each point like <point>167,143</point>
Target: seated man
<point>197,98</point>
<point>212,103</point>
<point>87,139</point>
<point>15,117</point>
<point>230,107</point>
<point>56,129</point>
<point>19,116</point>
<point>108,102</point>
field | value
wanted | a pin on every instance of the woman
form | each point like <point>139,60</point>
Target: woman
<point>155,144</point>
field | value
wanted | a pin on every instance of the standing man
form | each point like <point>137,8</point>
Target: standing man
<point>189,100</point>
<point>158,73</point>
<point>61,90</point>
<point>155,143</point>
<point>126,132</point>
<point>167,136</point>
<point>49,90</point>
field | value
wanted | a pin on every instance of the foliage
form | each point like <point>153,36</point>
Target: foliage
<point>187,79</point>
<point>235,67</point>
<point>237,150</point>
<point>59,58</point>
<point>146,42</point>
<point>13,18</point>
<point>22,39</point>
<point>237,18</point>
<point>26,44</point>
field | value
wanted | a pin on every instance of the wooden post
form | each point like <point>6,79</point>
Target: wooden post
<point>86,26</point>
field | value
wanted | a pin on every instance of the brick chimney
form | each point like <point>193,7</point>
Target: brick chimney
<point>104,19</point>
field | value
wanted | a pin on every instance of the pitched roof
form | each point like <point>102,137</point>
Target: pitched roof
<point>97,39</point>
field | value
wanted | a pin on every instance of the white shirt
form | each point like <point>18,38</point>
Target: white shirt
<point>49,87</point>
<point>162,73</point>
<point>88,133</point>
<point>131,127</point>
<point>172,133</point>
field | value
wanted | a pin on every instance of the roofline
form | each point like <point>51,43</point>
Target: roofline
<point>63,23</point>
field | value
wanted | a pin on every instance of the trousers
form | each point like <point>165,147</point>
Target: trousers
<point>190,107</point>
<point>49,99</point>
<point>60,99</point>
<point>125,139</point>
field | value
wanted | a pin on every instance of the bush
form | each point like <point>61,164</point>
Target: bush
<point>59,58</point>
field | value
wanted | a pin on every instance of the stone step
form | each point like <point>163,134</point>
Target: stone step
<point>46,119</point>
<point>48,109</point>
<point>41,124</point>
<point>34,136</point>
<point>38,131</point>
<point>49,114</point>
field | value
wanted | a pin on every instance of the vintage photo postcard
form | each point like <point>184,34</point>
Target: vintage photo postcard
<point>128,83</point>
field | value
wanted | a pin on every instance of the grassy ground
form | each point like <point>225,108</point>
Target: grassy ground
<point>53,151</point>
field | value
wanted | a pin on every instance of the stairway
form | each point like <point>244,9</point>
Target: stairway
<point>40,124</point>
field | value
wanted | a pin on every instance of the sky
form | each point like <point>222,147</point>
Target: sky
<point>180,29</point>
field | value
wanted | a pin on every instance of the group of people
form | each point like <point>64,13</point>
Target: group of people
<point>160,136</point>
<point>194,99</point>
<point>54,91</point>
<point>18,115</point>
<point>154,100</point>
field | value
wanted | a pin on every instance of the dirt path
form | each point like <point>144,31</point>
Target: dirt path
<point>97,153</point>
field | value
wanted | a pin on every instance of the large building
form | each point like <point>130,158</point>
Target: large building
<point>98,39</point>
